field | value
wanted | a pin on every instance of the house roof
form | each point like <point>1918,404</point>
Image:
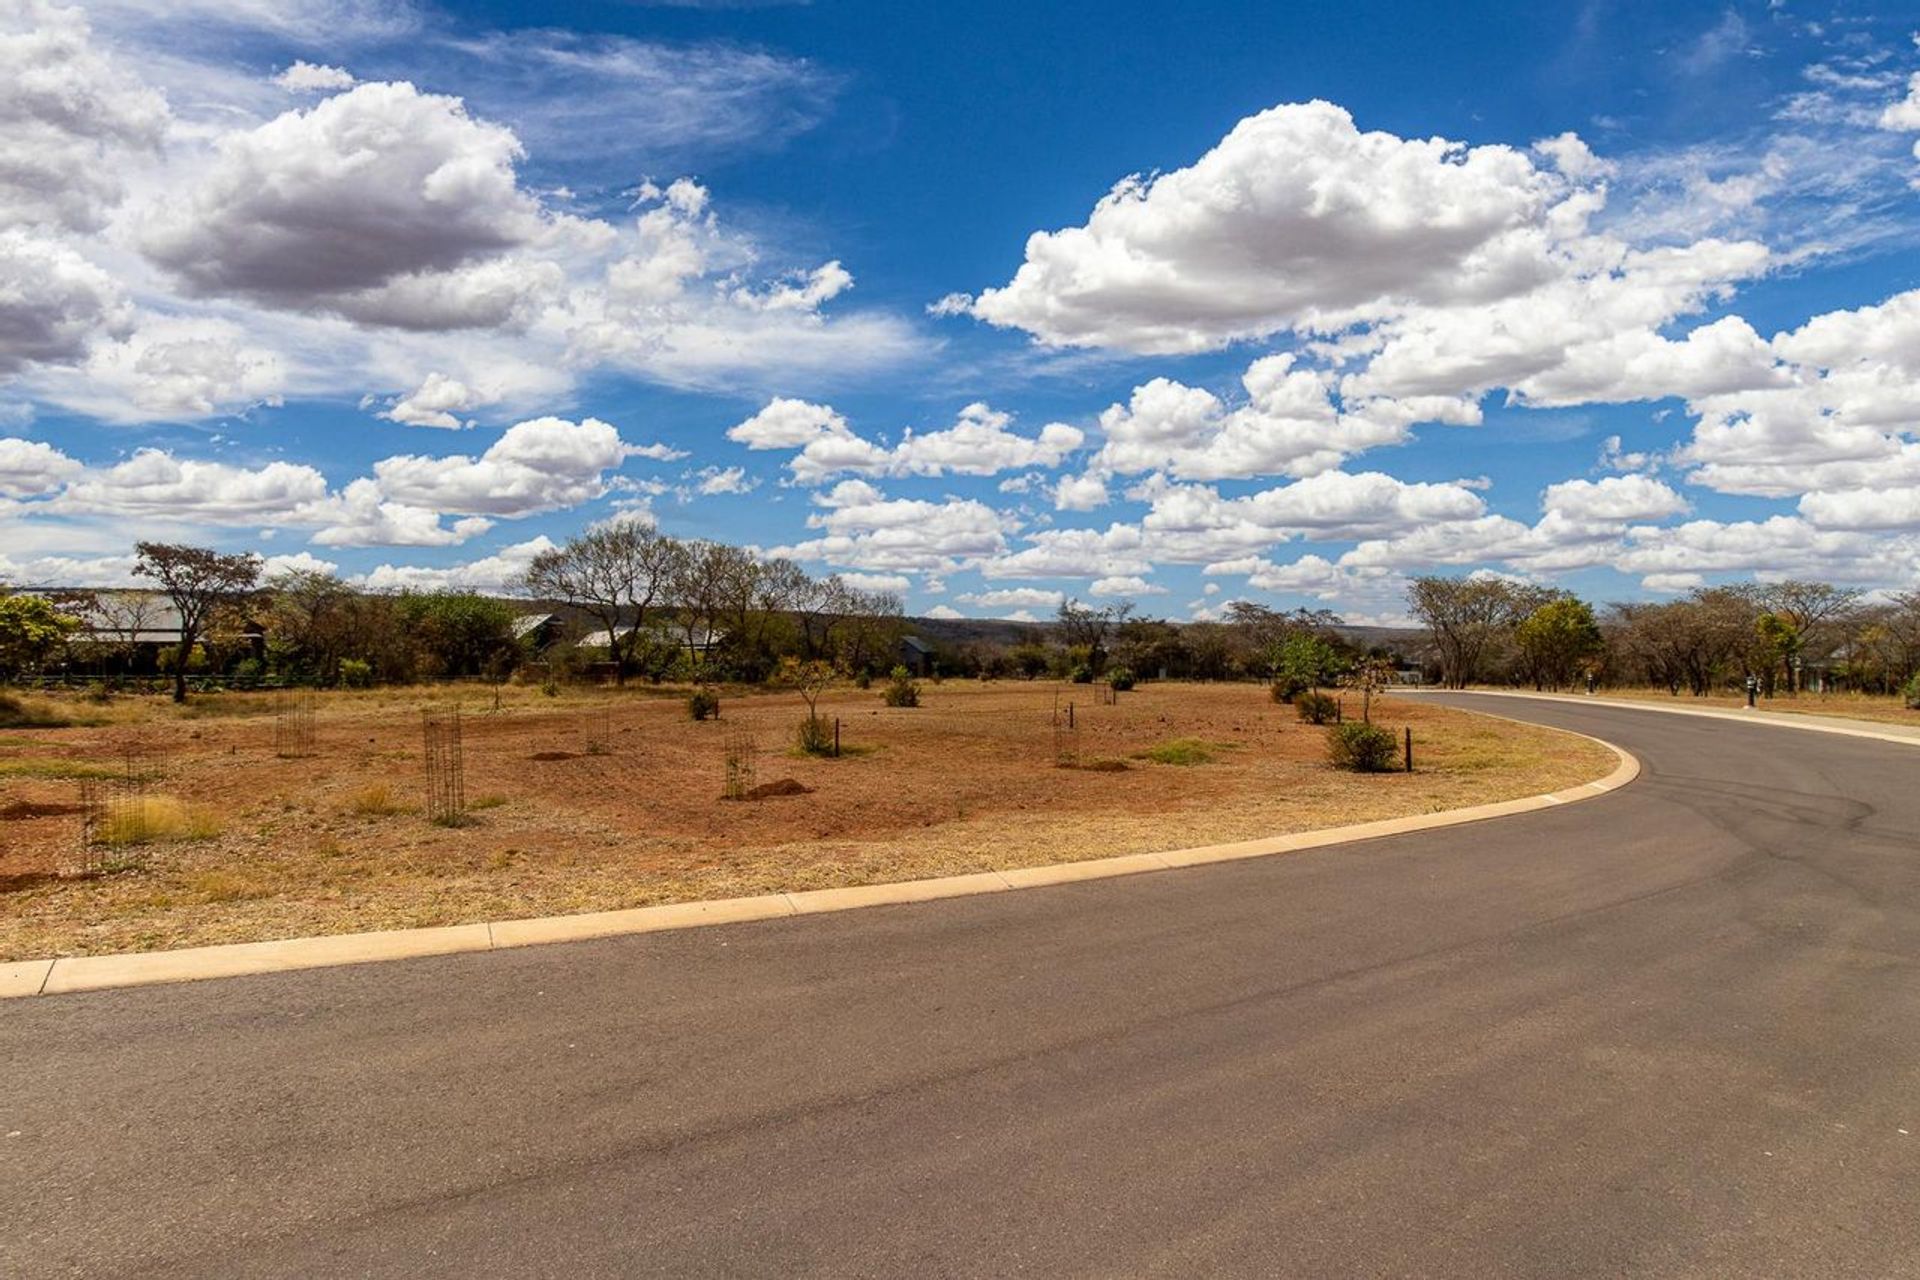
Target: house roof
<point>702,637</point>
<point>527,623</point>
<point>916,644</point>
<point>132,617</point>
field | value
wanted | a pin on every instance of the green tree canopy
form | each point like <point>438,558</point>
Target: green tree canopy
<point>31,631</point>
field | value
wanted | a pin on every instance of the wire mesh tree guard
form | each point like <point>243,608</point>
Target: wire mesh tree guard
<point>741,752</point>
<point>1066,734</point>
<point>446,767</point>
<point>293,724</point>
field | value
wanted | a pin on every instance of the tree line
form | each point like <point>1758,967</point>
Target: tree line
<point>652,606</point>
<point>663,608</point>
<point>1785,636</point>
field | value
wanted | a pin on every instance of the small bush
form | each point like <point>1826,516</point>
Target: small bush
<point>1912,692</point>
<point>1315,708</point>
<point>356,673</point>
<point>901,689</point>
<point>1120,679</point>
<point>1082,674</point>
<point>375,801</point>
<point>1285,689</point>
<point>1363,748</point>
<point>863,680</point>
<point>814,737</point>
<point>704,705</point>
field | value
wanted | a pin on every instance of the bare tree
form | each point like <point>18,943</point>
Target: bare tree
<point>1802,616</point>
<point>616,571</point>
<point>1268,630</point>
<point>819,607</point>
<point>871,630</point>
<point>1471,619</point>
<point>697,588</point>
<point>198,580</point>
<point>1084,627</point>
<point>119,617</point>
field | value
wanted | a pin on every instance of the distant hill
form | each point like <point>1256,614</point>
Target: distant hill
<point>957,633</point>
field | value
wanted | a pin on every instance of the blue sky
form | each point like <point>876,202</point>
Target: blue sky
<point>987,303</point>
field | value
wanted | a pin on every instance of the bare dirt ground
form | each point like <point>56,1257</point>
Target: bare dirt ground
<point>1883,708</point>
<point>596,800</point>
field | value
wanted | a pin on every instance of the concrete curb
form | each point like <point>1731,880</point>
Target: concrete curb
<point>135,969</point>
<point>1807,722</point>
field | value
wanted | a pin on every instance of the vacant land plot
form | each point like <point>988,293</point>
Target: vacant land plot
<point>592,801</point>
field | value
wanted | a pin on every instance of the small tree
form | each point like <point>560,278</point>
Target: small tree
<point>1369,676</point>
<point>198,580</point>
<point>811,679</point>
<point>1304,661</point>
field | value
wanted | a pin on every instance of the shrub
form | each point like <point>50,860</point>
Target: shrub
<point>1286,689</point>
<point>1082,674</point>
<point>814,737</point>
<point>863,680</point>
<point>704,705</point>
<point>1912,692</point>
<point>901,689</point>
<point>356,673</point>
<point>1363,748</point>
<point>1314,707</point>
<point>1120,679</point>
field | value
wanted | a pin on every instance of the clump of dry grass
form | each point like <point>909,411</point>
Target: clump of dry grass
<point>154,819</point>
<point>376,800</point>
<point>19,713</point>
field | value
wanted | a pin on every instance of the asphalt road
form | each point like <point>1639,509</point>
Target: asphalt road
<point>1672,1031</point>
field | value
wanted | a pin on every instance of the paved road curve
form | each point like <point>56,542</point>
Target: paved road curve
<point>1672,1031</point>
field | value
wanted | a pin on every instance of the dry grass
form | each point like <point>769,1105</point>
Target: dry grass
<point>376,800</point>
<point>17,712</point>
<point>157,819</point>
<point>963,783</point>
<point>1880,708</point>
